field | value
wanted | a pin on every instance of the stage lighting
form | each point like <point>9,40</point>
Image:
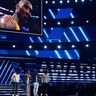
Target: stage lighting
<point>52,28</point>
<point>30,46</point>
<point>87,21</point>
<point>61,1</point>
<point>13,46</point>
<point>81,75</point>
<point>58,9</point>
<point>72,22</point>
<point>87,45</point>
<point>93,71</point>
<point>58,23</point>
<point>46,2</point>
<point>58,46</point>
<point>73,46</point>
<point>44,23</point>
<point>68,1</point>
<point>45,17</point>
<point>93,75</point>
<point>76,0</point>
<point>82,0</point>
<point>45,47</point>
<point>93,78</point>
<point>53,2</point>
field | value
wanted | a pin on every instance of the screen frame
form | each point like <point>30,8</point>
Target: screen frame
<point>28,32</point>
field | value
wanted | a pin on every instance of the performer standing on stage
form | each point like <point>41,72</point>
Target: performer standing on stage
<point>27,77</point>
<point>15,80</point>
<point>45,83</point>
<point>35,83</point>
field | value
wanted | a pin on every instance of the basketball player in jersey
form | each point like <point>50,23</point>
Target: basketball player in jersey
<point>21,14</point>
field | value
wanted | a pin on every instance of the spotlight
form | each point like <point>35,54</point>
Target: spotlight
<point>87,21</point>
<point>61,1</point>
<point>58,46</point>
<point>45,47</point>
<point>73,46</point>
<point>87,45</point>
<point>76,0</point>
<point>72,22</point>
<point>51,28</point>
<point>82,0</point>
<point>68,1</point>
<point>44,23</point>
<point>13,46</point>
<point>53,2</point>
<point>58,9</point>
<point>58,23</point>
<point>46,2</point>
<point>30,46</point>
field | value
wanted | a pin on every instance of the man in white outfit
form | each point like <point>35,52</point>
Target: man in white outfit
<point>35,83</point>
<point>15,80</point>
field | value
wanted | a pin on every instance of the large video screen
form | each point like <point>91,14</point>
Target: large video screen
<point>21,16</point>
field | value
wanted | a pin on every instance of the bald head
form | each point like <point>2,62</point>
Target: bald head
<point>21,2</point>
<point>23,10</point>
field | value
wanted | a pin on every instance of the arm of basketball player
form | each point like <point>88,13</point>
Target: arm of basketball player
<point>7,22</point>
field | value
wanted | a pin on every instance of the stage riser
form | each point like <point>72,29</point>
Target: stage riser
<point>6,90</point>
